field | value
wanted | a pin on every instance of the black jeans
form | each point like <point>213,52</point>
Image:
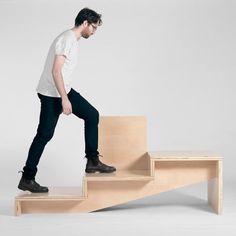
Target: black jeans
<point>51,109</point>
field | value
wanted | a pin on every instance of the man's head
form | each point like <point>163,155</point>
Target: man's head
<point>88,20</point>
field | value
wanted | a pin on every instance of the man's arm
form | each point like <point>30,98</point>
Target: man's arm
<point>58,79</point>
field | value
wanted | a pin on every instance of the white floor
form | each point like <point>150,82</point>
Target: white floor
<point>180,212</point>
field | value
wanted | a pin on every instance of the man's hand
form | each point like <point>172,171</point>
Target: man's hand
<point>66,106</point>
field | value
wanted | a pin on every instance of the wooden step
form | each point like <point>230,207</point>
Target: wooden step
<point>183,155</point>
<point>57,200</point>
<point>120,175</point>
<point>55,193</point>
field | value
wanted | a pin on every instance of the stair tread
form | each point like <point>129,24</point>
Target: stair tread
<point>120,175</point>
<point>191,155</point>
<point>54,193</point>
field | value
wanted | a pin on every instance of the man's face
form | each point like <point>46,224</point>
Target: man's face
<point>89,29</point>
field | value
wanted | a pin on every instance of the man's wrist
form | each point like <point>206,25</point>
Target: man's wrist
<point>64,97</point>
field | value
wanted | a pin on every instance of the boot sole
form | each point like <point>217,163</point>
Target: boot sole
<point>23,188</point>
<point>101,171</point>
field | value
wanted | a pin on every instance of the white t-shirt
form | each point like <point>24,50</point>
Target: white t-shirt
<point>64,44</point>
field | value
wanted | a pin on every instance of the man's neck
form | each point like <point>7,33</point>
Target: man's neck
<point>77,32</point>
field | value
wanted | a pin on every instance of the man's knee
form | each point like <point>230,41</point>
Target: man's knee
<point>94,116</point>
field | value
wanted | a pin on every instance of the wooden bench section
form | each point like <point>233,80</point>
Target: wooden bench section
<point>123,143</point>
<point>180,168</point>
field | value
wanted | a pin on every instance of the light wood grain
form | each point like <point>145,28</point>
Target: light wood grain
<point>215,190</point>
<point>140,173</point>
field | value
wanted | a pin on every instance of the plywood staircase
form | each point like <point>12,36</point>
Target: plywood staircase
<point>123,143</point>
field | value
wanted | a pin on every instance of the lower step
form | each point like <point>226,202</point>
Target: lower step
<point>54,193</point>
<point>58,199</point>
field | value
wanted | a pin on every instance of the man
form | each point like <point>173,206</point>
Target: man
<point>57,96</point>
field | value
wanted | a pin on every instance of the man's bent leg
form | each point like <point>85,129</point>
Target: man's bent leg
<point>84,110</point>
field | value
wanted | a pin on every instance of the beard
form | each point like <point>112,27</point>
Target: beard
<point>85,35</point>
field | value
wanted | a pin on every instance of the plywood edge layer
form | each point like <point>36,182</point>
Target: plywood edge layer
<point>128,175</point>
<point>183,155</point>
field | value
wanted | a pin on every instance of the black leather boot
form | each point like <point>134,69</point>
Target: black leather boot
<point>31,185</point>
<point>94,164</point>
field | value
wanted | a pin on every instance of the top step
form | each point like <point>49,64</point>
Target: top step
<point>183,155</point>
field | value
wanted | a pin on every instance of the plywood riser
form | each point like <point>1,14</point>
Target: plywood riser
<point>101,194</point>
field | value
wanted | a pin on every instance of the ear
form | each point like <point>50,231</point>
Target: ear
<point>85,23</point>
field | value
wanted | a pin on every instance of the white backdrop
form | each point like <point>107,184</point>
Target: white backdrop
<point>172,61</point>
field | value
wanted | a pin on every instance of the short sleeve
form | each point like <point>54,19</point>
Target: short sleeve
<point>63,46</point>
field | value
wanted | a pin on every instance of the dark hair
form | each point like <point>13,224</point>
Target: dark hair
<point>89,15</point>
